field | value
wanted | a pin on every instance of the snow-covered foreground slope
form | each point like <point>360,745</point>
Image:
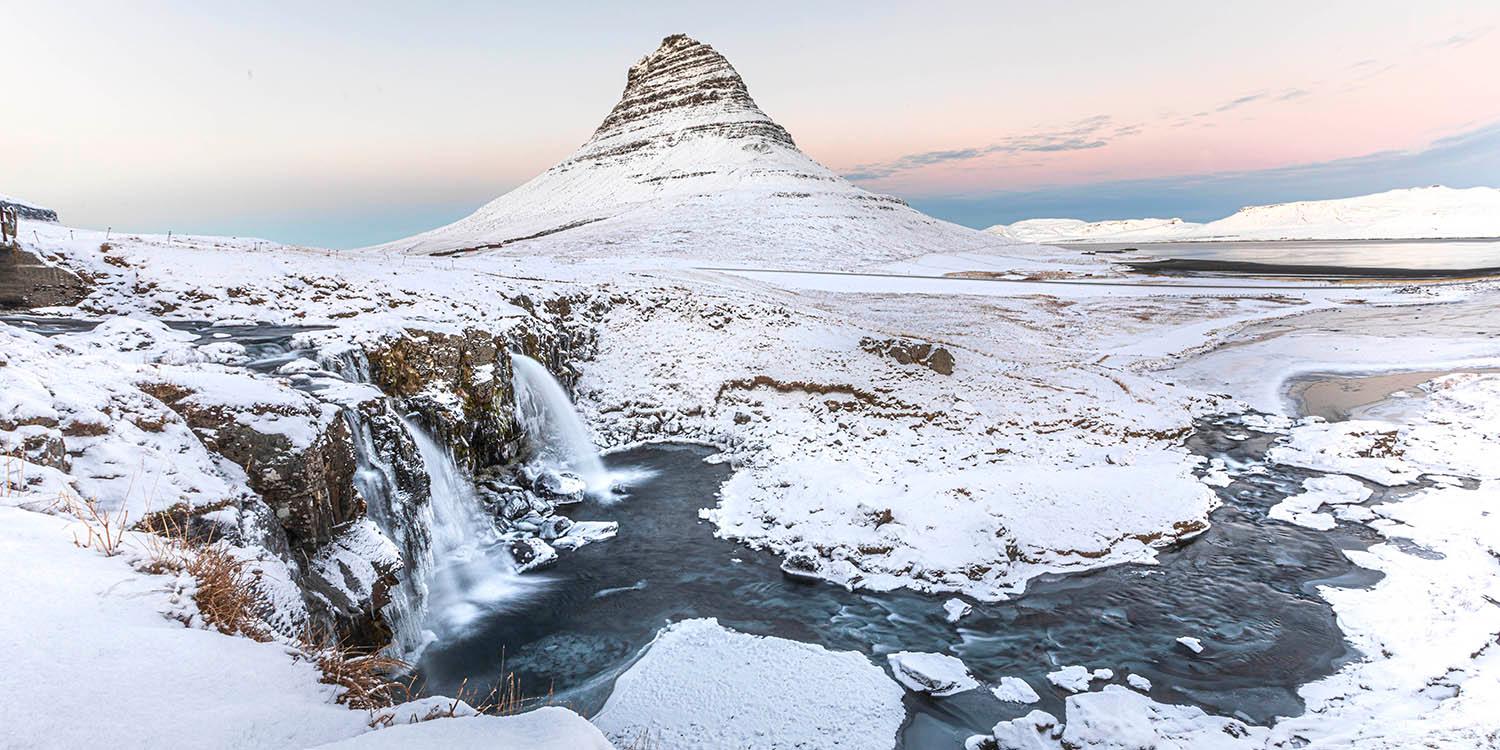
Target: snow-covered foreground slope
<point>95,649</point>
<point>1415,213</point>
<point>687,166</point>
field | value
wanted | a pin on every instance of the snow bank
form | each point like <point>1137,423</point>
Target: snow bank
<point>702,686</point>
<point>548,728</point>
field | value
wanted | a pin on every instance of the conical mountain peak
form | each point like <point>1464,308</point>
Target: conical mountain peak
<point>684,88</point>
<point>687,166</point>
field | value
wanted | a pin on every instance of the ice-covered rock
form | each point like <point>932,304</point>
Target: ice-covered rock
<point>1138,682</point>
<point>783,695</point>
<point>955,609</point>
<point>586,532</point>
<point>1015,690</point>
<point>1190,643</point>
<point>531,553</point>
<point>561,487</point>
<point>935,674</point>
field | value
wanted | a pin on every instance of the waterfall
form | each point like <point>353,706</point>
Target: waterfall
<point>558,438</point>
<point>469,574</point>
<point>457,521</point>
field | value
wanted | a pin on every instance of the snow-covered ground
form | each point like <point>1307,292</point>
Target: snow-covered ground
<point>1435,212</point>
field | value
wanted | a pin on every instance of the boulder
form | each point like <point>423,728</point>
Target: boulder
<point>531,553</point>
<point>937,675</point>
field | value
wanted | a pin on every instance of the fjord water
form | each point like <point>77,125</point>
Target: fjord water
<point>1411,254</point>
<point>1246,587</point>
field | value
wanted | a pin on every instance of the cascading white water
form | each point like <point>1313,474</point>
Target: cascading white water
<point>559,440</point>
<point>469,574</point>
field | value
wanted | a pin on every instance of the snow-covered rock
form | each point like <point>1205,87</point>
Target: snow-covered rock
<point>1138,682</point>
<point>955,609</point>
<point>935,674</point>
<point>1190,643</point>
<point>531,553</point>
<point>585,532</point>
<point>703,687</point>
<point>1073,678</point>
<point>1015,690</point>
<point>1334,489</point>
<point>27,209</point>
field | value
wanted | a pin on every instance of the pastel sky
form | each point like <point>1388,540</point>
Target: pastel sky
<point>348,123</point>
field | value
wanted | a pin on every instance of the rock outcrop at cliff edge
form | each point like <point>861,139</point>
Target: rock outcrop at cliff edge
<point>686,164</point>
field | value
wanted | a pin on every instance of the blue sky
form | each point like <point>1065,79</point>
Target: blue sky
<point>343,124</point>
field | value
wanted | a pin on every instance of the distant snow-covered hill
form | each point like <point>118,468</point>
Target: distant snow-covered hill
<point>687,166</point>
<point>27,209</point>
<point>1414,213</point>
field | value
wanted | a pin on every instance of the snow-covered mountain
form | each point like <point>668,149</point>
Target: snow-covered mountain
<point>1077,230</point>
<point>1412,213</point>
<point>686,165</point>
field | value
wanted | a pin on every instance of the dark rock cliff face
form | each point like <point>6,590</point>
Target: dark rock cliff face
<point>684,88</point>
<point>27,211</point>
<point>310,488</point>
<point>461,384</point>
<point>27,282</point>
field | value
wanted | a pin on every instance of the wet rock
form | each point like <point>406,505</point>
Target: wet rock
<point>532,553</point>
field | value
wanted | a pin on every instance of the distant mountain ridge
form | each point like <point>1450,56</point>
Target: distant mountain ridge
<point>686,165</point>
<point>1435,212</point>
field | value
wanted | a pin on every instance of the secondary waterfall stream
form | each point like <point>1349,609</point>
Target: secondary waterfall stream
<point>558,438</point>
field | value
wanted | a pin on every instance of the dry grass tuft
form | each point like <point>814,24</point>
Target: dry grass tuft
<point>104,531</point>
<point>645,740</point>
<point>369,681</point>
<point>227,593</point>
